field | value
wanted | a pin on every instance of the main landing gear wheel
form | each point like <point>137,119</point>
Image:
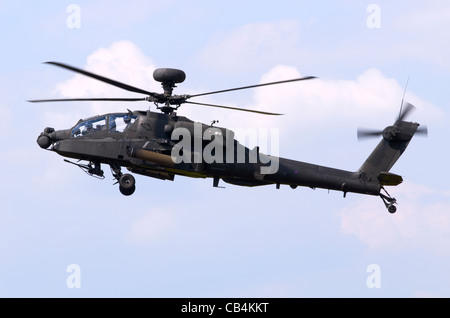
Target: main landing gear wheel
<point>127,184</point>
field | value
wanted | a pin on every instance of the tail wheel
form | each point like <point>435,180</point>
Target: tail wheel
<point>127,184</point>
<point>392,208</point>
<point>388,201</point>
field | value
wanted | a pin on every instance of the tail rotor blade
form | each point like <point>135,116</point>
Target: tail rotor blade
<point>422,131</point>
<point>368,133</point>
<point>406,110</point>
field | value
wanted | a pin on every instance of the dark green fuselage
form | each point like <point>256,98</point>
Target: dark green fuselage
<point>146,146</point>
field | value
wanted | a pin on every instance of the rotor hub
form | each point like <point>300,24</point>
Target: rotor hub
<point>168,78</point>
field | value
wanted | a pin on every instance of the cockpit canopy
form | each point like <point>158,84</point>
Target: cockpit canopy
<point>113,123</point>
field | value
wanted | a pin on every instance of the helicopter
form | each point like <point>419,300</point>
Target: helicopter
<point>163,144</point>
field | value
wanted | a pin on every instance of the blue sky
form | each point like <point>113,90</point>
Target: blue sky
<point>186,238</point>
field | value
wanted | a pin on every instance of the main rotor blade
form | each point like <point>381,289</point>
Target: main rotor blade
<point>363,133</point>
<point>407,109</point>
<point>87,99</point>
<point>234,108</point>
<point>103,79</point>
<point>252,86</point>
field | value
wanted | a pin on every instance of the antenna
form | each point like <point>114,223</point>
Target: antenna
<point>404,92</point>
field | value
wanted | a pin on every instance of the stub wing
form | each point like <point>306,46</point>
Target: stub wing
<point>389,179</point>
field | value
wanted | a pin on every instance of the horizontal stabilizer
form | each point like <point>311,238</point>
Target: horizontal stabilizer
<point>389,179</point>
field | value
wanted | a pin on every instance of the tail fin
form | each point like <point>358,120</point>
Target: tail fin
<point>395,140</point>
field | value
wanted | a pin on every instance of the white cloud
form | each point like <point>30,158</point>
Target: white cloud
<point>122,61</point>
<point>370,95</point>
<point>371,100</point>
<point>421,221</point>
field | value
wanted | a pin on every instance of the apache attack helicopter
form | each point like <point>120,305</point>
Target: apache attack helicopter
<point>162,145</point>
